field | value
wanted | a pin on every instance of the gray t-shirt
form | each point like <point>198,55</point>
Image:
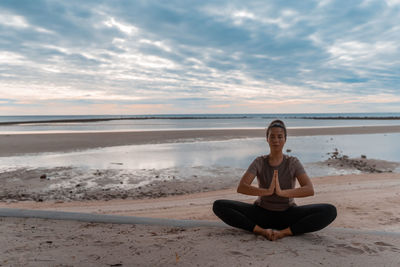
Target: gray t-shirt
<point>288,170</point>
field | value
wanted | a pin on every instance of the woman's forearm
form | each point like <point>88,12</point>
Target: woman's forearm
<point>253,191</point>
<point>304,191</point>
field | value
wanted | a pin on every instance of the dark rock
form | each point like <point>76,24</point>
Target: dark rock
<point>44,176</point>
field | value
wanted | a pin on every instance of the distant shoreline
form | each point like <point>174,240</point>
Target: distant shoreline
<point>351,118</point>
<point>116,119</point>
<point>198,118</point>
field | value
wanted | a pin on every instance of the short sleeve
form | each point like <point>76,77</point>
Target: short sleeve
<point>254,167</point>
<point>298,168</point>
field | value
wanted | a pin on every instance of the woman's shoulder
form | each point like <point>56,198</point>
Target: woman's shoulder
<point>262,157</point>
<point>257,165</point>
<point>291,158</point>
<point>293,161</point>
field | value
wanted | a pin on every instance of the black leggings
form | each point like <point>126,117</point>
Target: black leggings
<point>300,219</point>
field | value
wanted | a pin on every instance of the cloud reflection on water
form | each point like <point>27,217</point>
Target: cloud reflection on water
<point>236,153</point>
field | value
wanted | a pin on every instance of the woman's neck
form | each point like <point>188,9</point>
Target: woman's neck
<point>275,159</point>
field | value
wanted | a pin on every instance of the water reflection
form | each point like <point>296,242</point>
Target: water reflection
<point>237,153</point>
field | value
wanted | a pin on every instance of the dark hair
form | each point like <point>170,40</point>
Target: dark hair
<point>278,124</point>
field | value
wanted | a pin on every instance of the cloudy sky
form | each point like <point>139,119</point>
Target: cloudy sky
<point>174,57</point>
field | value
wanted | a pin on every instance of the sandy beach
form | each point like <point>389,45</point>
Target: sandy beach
<point>365,233</point>
<point>126,126</point>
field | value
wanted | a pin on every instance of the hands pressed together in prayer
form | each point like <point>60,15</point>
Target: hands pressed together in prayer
<point>275,186</point>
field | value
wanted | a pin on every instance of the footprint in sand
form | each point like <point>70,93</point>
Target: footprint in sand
<point>391,221</point>
<point>369,250</point>
<point>234,252</point>
<point>379,243</point>
<point>317,241</point>
<point>340,249</point>
<point>356,248</point>
<point>352,208</point>
<point>386,246</point>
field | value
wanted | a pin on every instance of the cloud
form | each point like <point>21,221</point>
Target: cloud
<point>123,27</point>
<point>200,56</point>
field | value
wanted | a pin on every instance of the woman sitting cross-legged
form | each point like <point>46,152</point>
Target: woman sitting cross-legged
<point>275,214</point>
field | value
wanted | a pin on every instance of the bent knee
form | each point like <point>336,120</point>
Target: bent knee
<point>330,211</point>
<point>218,205</point>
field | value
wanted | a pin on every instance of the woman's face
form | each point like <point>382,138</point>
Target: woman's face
<point>276,139</point>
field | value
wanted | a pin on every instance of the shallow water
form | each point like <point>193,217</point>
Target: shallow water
<point>227,121</point>
<point>236,153</point>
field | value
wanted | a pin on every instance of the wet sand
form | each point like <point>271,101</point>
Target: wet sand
<point>17,144</point>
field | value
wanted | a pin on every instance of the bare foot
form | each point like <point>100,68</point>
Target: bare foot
<point>280,234</point>
<point>268,233</point>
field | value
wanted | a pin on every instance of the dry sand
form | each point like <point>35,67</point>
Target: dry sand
<point>366,203</point>
<point>35,242</point>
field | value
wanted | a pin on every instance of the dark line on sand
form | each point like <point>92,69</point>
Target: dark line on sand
<point>118,219</point>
